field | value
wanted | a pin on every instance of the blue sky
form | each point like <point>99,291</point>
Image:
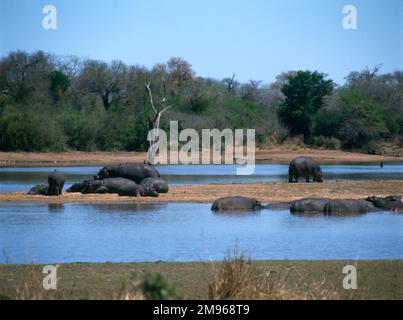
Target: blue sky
<point>255,39</point>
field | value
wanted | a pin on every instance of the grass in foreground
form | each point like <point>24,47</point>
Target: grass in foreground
<point>234,278</point>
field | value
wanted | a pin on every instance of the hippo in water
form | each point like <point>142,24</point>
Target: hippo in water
<point>120,186</point>
<point>309,206</point>
<point>134,172</point>
<point>237,203</point>
<point>348,207</point>
<point>391,203</point>
<point>304,167</point>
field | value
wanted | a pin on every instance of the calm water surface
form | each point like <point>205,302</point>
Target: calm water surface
<point>186,232</point>
<point>22,179</point>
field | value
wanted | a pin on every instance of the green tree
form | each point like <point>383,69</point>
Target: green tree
<point>59,84</point>
<point>304,93</point>
<point>362,122</point>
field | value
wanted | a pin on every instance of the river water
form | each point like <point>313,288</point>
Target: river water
<point>22,179</point>
<point>44,233</point>
<point>187,232</point>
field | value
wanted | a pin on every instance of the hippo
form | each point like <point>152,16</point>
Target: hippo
<point>237,203</point>
<point>309,206</point>
<point>392,203</point>
<point>347,207</point>
<point>56,183</point>
<point>120,186</point>
<point>39,189</point>
<point>134,172</point>
<point>304,167</point>
<point>158,183</point>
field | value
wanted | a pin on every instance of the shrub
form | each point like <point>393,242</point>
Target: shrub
<point>155,287</point>
<point>28,131</point>
<point>327,143</point>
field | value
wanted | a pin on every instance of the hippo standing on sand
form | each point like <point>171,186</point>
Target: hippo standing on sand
<point>304,167</point>
<point>134,172</point>
<point>237,203</point>
<point>56,182</point>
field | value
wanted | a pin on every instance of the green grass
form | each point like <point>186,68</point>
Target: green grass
<point>296,279</point>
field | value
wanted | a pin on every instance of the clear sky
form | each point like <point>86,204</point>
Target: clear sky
<point>256,39</point>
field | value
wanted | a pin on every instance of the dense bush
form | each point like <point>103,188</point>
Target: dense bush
<point>47,103</point>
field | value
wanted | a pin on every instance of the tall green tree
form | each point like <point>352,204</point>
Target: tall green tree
<point>304,96</point>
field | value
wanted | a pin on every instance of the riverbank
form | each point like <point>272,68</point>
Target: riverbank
<point>276,155</point>
<point>264,192</point>
<point>289,280</point>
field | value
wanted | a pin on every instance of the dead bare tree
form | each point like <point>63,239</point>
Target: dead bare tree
<point>158,109</point>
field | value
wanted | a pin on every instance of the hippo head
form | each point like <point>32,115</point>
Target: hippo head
<point>393,203</point>
<point>102,174</point>
<point>77,187</point>
<point>90,186</point>
<point>258,205</point>
<point>319,176</point>
<point>149,191</point>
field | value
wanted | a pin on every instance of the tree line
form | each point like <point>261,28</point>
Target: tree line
<point>56,103</point>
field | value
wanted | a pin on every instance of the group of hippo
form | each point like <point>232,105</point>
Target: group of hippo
<point>313,206</point>
<point>307,167</point>
<point>125,180</point>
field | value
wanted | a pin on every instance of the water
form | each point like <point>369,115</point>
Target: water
<point>22,179</point>
<point>187,232</point>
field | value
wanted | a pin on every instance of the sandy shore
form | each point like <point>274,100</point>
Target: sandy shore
<point>279,155</point>
<point>265,192</point>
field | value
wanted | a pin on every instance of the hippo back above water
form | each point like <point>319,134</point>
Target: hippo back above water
<point>237,203</point>
<point>304,167</point>
<point>133,172</point>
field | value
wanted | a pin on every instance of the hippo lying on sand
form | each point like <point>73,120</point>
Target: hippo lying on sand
<point>39,189</point>
<point>157,183</point>
<point>120,186</point>
<point>134,172</point>
<point>236,204</point>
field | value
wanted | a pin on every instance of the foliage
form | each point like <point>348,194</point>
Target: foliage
<point>304,93</point>
<point>54,103</point>
<point>155,287</point>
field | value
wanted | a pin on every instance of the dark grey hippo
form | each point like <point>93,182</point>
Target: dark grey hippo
<point>391,203</point>
<point>120,186</point>
<point>134,172</point>
<point>309,206</point>
<point>56,183</point>
<point>237,203</point>
<point>348,207</point>
<point>40,189</point>
<point>158,184</point>
<point>304,167</point>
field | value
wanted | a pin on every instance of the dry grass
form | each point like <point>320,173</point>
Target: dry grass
<point>233,278</point>
<point>265,192</point>
<point>238,278</point>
